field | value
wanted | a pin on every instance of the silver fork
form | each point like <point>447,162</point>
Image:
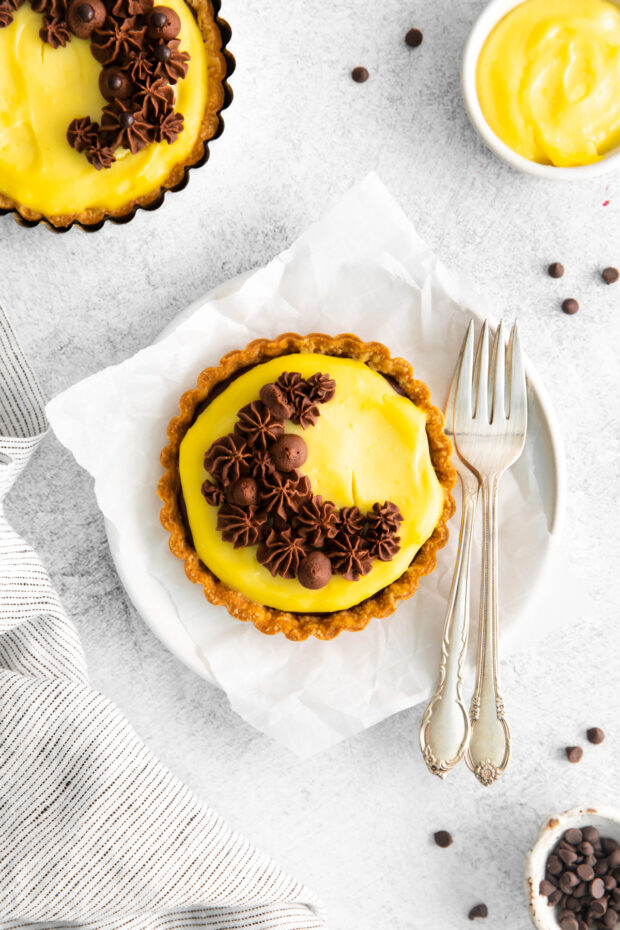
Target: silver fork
<point>490,423</point>
<point>444,733</point>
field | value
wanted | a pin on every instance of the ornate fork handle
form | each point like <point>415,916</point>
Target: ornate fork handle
<point>444,733</point>
<point>489,744</point>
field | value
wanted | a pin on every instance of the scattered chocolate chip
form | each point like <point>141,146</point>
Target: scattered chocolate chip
<point>443,838</point>
<point>570,305</point>
<point>414,38</point>
<point>555,270</point>
<point>480,910</point>
<point>574,753</point>
<point>595,735</point>
<point>610,275</point>
<point>360,75</point>
<point>289,452</point>
<point>314,571</point>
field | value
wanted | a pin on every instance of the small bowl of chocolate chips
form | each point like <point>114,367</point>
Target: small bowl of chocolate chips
<point>572,872</point>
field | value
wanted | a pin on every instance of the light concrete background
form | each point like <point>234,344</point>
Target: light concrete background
<point>355,822</point>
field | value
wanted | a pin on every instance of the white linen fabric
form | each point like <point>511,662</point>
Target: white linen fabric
<point>94,832</point>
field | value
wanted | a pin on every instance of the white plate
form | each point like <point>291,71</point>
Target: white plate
<point>549,463</point>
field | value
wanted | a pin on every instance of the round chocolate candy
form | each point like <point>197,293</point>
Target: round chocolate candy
<point>163,23</point>
<point>570,305</point>
<point>610,275</point>
<point>114,84</point>
<point>127,120</point>
<point>243,492</point>
<point>162,53</point>
<point>360,75</point>
<point>289,452</point>
<point>315,571</point>
<point>555,270</point>
<point>84,16</point>
<point>275,401</point>
<point>414,38</point>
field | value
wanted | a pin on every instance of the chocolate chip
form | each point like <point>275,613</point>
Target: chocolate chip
<point>598,907</point>
<point>595,735</point>
<point>546,888</point>
<point>554,898</point>
<point>162,53</point>
<point>554,866</point>
<point>597,888</point>
<point>556,269</point>
<point>609,845</point>
<point>289,452</point>
<point>574,753</point>
<point>443,838</point>
<point>590,834</point>
<point>585,872</point>
<point>585,848</point>
<point>568,856</point>
<point>569,923</point>
<point>610,882</point>
<point>480,910</point>
<point>574,837</point>
<point>610,275</point>
<point>568,882</point>
<point>601,867</point>
<point>614,859</point>
<point>610,918</point>
<point>414,38</point>
<point>314,571</point>
<point>360,75</point>
<point>570,305</point>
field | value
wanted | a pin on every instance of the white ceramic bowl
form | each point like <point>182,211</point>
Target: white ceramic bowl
<point>488,19</point>
<point>607,822</point>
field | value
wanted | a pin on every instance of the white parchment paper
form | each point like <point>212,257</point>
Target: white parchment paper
<point>362,269</point>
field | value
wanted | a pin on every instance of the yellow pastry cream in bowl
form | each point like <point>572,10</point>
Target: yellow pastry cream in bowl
<point>307,492</point>
<point>548,80</point>
<point>103,103</point>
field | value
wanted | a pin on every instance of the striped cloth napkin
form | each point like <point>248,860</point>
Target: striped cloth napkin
<point>94,831</point>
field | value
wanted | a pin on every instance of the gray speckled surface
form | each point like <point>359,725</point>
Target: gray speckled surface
<point>355,822</point>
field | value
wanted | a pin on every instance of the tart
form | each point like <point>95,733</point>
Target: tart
<point>105,104</point>
<point>307,484</point>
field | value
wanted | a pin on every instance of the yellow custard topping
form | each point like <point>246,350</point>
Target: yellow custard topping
<point>43,89</point>
<point>369,445</point>
<point>548,80</point>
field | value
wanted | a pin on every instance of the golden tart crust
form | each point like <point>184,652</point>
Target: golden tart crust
<point>220,64</point>
<point>299,626</point>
